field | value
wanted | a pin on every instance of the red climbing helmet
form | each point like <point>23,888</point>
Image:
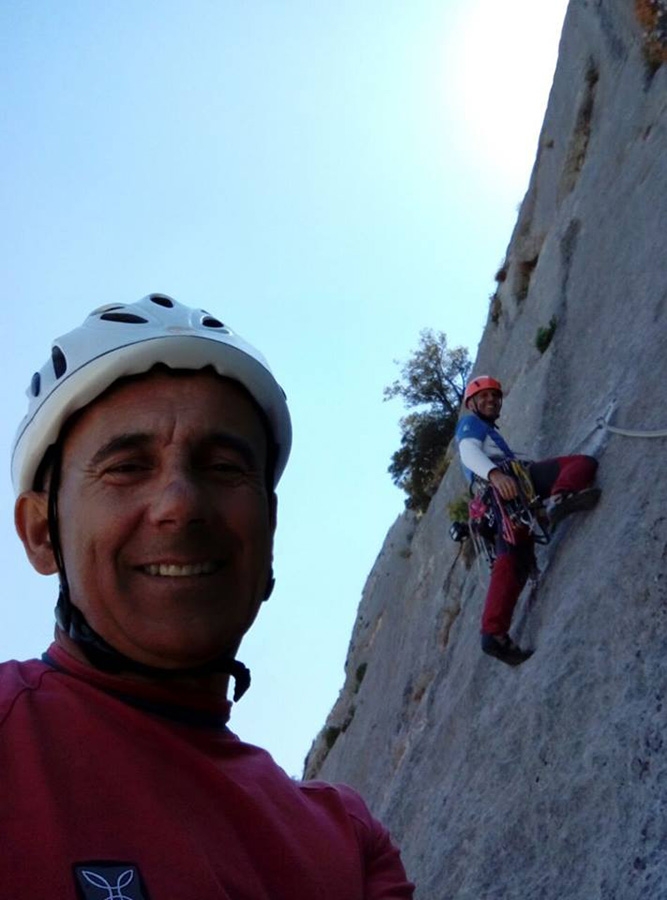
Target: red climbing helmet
<point>481,383</point>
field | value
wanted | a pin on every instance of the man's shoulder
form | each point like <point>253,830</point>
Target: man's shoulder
<point>341,796</point>
<point>342,792</point>
<point>26,673</point>
<point>17,677</point>
<point>471,426</point>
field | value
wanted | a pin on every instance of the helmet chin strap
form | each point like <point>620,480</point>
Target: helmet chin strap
<point>99,652</point>
<point>106,658</point>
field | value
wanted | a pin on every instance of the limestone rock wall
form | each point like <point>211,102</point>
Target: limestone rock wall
<point>546,781</point>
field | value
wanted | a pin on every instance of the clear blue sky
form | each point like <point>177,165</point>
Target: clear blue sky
<point>328,178</point>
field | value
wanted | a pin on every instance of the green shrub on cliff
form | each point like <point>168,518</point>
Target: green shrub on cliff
<point>432,383</point>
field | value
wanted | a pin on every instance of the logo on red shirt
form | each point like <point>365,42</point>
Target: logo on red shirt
<point>107,880</point>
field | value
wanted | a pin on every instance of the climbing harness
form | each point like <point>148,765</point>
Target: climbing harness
<point>489,514</point>
<point>525,510</point>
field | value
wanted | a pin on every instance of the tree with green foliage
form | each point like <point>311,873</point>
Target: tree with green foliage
<point>432,381</point>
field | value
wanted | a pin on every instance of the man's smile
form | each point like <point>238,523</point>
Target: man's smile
<point>172,570</point>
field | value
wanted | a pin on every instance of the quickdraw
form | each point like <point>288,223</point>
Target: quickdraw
<point>482,527</point>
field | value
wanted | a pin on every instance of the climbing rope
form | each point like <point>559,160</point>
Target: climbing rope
<point>625,431</point>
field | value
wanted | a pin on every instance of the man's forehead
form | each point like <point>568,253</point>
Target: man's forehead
<point>175,377</point>
<point>163,395</point>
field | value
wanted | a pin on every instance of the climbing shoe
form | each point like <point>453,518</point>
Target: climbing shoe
<point>560,505</point>
<point>503,648</point>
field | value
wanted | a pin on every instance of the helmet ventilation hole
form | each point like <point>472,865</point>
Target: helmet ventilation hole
<point>59,361</point>
<point>35,384</point>
<point>161,300</point>
<point>127,318</point>
<point>210,322</point>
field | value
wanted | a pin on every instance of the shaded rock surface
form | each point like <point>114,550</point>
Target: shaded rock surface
<point>550,780</point>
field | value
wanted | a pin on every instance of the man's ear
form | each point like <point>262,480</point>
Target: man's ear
<point>32,525</point>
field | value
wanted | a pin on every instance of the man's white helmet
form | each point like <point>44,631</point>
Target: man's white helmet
<point>120,340</point>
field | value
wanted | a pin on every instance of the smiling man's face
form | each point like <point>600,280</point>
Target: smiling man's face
<point>165,522</point>
<point>488,403</point>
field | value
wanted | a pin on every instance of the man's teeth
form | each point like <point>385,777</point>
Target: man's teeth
<point>173,571</point>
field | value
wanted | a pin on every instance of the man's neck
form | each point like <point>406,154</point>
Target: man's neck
<point>213,684</point>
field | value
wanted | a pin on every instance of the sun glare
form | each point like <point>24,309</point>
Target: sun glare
<point>499,65</point>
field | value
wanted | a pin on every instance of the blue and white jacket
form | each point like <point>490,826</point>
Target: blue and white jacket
<point>481,446</point>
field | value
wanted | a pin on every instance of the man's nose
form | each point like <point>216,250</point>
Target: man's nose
<point>179,499</point>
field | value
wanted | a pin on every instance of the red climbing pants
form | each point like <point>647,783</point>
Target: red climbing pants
<point>514,562</point>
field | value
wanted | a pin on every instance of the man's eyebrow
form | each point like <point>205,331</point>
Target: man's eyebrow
<point>128,441</point>
<point>227,441</point>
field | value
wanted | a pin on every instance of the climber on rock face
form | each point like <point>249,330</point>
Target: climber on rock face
<point>563,483</point>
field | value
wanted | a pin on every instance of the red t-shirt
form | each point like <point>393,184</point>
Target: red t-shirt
<point>113,789</point>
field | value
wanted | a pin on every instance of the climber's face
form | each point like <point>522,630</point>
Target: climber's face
<point>488,403</point>
<point>165,520</point>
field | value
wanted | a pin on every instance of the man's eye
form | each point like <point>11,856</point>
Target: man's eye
<point>228,467</point>
<point>125,468</point>
<point>230,470</point>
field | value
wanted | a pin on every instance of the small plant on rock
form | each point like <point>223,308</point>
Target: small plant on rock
<point>652,15</point>
<point>496,308</point>
<point>545,334</point>
<point>359,675</point>
<point>458,509</point>
<point>331,733</point>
